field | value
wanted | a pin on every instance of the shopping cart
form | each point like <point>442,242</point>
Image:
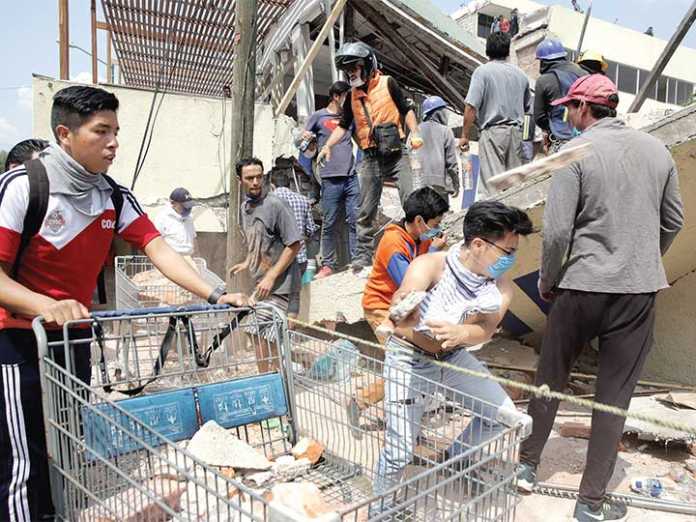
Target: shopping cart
<point>112,457</point>
<point>140,285</point>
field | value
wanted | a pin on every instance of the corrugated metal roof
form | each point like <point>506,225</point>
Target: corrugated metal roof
<point>182,46</point>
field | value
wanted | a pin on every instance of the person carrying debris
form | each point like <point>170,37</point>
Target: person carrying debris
<point>339,182</point>
<point>593,62</point>
<point>24,151</point>
<point>498,97</point>
<point>376,107</point>
<point>440,169</point>
<point>302,210</point>
<point>609,219</point>
<point>557,75</point>
<point>418,233</point>
<point>58,217</point>
<point>467,295</point>
<point>176,224</point>
<point>273,241</point>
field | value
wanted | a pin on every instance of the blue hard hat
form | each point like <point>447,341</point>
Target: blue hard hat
<point>432,103</point>
<point>550,49</point>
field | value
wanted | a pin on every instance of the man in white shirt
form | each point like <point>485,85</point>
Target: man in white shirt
<point>176,224</point>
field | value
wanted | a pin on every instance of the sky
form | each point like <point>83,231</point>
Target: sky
<point>30,35</point>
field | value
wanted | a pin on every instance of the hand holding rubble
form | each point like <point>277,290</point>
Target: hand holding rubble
<point>449,334</point>
<point>464,143</point>
<point>324,156</point>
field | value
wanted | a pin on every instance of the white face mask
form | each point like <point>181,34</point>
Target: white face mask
<point>357,82</point>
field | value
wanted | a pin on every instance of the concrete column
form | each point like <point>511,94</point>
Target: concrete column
<point>305,93</point>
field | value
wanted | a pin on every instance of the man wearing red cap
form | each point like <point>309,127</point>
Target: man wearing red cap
<point>609,218</point>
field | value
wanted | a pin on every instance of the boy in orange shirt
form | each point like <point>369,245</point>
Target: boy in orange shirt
<point>401,243</point>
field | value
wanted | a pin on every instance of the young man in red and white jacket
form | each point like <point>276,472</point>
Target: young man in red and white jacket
<point>54,275</point>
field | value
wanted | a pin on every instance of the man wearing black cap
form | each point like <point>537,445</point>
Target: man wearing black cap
<point>175,222</point>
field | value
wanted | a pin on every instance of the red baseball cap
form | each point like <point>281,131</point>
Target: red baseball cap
<point>593,88</point>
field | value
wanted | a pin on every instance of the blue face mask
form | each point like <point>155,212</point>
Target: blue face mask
<point>185,212</point>
<point>431,233</point>
<point>502,265</point>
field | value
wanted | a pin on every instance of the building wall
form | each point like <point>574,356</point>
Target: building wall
<point>190,145</point>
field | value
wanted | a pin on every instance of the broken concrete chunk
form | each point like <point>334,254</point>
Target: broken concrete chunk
<point>287,468</point>
<point>308,449</point>
<point>300,498</point>
<point>214,445</point>
<point>133,505</point>
<point>259,478</point>
<point>575,429</point>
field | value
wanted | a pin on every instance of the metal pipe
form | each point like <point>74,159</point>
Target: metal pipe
<point>95,66</point>
<point>332,44</point>
<point>584,27</point>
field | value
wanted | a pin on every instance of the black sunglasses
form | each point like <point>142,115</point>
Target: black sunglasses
<point>507,252</point>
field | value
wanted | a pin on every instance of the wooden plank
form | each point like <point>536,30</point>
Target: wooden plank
<point>109,61</point>
<point>388,31</point>
<point>311,55</point>
<point>664,58</point>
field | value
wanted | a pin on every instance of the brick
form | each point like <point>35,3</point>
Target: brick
<point>577,430</point>
<point>309,449</point>
<point>132,505</point>
<point>370,395</point>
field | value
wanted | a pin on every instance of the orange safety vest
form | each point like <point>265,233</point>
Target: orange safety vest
<point>379,104</point>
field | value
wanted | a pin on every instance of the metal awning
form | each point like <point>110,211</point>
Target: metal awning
<point>184,46</point>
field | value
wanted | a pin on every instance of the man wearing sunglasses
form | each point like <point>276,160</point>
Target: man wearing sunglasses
<point>467,295</point>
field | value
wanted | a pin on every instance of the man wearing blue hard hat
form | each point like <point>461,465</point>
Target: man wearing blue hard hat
<point>439,148</point>
<point>557,75</point>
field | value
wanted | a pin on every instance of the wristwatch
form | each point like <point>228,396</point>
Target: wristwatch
<point>216,294</point>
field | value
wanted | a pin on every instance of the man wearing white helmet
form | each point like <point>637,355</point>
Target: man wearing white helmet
<point>376,107</point>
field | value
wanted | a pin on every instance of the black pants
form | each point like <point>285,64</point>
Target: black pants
<point>25,493</point>
<point>624,324</point>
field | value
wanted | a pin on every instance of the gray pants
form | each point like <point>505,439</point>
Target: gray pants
<point>371,174</point>
<point>500,149</point>
<point>409,385</point>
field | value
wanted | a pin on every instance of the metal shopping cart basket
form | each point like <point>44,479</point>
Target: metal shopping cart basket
<point>112,457</point>
<point>140,285</point>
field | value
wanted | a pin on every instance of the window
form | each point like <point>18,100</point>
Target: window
<point>662,89</point>
<point>672,91</point>
<point>611,70</point>
<point>628,79</point>
<point>484,25</point>
<point>642,78</point>
<point>684,92</point>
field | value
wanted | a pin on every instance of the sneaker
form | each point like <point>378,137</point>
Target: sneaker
<point>607,511</point>
<point>360,264</point>
<point>526,478</point>
<point>325,271</point>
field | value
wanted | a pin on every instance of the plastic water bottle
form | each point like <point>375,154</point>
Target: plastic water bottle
<point>468,177</point>
<point>309,272</point>
<point>647,486</point>
<point>416,159</point>
<point>337,364</point>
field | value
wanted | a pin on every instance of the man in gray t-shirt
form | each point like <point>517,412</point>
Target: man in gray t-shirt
<point>497,100</point>
<point>272,240</point>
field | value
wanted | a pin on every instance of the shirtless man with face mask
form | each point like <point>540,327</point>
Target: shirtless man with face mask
<point>467,295</point>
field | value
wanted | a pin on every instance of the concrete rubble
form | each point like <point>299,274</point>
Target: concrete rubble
<point>216,446</point>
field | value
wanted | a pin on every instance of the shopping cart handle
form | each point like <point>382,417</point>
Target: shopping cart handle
<point>159,310</point>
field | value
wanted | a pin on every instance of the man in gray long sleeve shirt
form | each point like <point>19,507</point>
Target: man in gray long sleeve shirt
<point>609,218</point>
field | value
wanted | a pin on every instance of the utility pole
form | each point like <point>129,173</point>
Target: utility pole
<point>64,39</point>
<point>242,125</point>
<point>95,65</point>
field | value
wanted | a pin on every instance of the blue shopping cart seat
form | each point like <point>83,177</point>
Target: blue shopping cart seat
<point>178,414</point>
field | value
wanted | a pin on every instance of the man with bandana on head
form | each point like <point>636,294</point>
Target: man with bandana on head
<point>467,293</point>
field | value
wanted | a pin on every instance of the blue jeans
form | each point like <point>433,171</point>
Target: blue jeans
<point>335,192</point>
<point>410,380</point>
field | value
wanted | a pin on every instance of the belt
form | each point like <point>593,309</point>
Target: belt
<point>410,348</point>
